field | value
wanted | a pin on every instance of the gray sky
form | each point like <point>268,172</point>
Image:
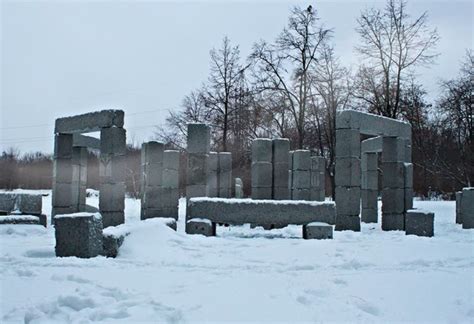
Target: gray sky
<point>61,58</point>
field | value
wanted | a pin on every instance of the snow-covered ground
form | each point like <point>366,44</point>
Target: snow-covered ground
<point>243,274</point>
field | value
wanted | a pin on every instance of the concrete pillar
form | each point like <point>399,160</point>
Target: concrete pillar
<point>318,178</point>
<point>262,168</point>
<point>290,175</point>
<point>152,203</point>
<point>79,181</point>
<point>347,177</point>
<point>62,194</point>
<point>212,177</point>
<point>280,151</point>
<point>369,187</point>
<point>458,207</point>
<point>225,174</point>
<point>467,207</point>
<point>170,184</point>
<point>301,186</point>
<point>198,147</point>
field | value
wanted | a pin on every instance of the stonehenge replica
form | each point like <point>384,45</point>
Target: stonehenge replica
<point>372,155</point>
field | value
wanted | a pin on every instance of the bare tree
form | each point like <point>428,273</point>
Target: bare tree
<point>391,44</point>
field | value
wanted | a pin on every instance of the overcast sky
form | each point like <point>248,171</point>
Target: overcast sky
<point>62,58</point>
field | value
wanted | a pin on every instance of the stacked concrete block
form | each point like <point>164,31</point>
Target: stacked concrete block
<point>318,178</point>
<point>201,226</point>
<point>239,188</point>
<point>213,175</point>
<point>408,185</point>
<point>262,168</point>
<point>347,177</point>
<point>62,195</point>
<point>301,175</point>
<point>198,147</point>
<point>153,201</point>
<point>393,185</point>
<point>466,208</point>
<point>369,187</point>
<point>78,235</point>
<point>225,174</point>
<point>79,181</point>
<point>317,231</point>
<point>419,222</point>
<point>280,151</point>
<point>170,184</point>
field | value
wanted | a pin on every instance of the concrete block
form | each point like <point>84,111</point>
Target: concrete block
<point>63,146</point>
<point>347,143</point>
<point>318,231</point>
<point>301,179</point>
<point>458,207</point>
<point>62,170</point>
<point>408,151</point>
<point>347,222</point>
<point>408,198</point>
<point>7,202</point>
<point>60,211</point>
<point>281,193</point>
<point>197,169</point>
<point>393,222</point>
<point>348,200</point>
<point>372,161</point>
<point>420,223</point>
<point>280,174</point>
<point>112,197</point>
<point>23,219</point>
<point>152,153</point>
<point>225,161</point>
<point>113,141</point>
<point>262,174</point>
<point>225,184</point>
<point>196,191</point>
<point>171,159</point>
<point>213,162</point>
<point>79,156</point>
<point>261,193</point>
<point>393,201</point>
<point>153,176</point>
<point>369,215</point>
<point>83,141</point>
<point>408,173</point>
<point>78,235</point>
<point>372,180</point>
<point>112,218</point>
<point>315,195</point>
<point>348,172</point>
<point>199,138</point>
<point>166,212</point>
<point>301,160</point>
<point>111,245</point>
<point>29,204</point>
<point>391,149</point>
<point>201,226</point>
<point>212,191</point>
<point>315,178</point>
<point>281,148</point>
<point>170,178</point>
<point>393,175</point>
<point>467,207</point>
<point>153,197</point>
<point>112,168</point>
<point>62,195</point>
<point>90,122</point>
<point>301,194</point>
<point>369,198</point>
<point>290,160</point>
<point>262,150</point>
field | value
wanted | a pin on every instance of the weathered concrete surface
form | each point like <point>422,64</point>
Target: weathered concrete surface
<point>90,122</point>
<point>201,226</point>
<point>419,222</point>
<point>393,222</point>
<point>20,203</point>
<point>467,207</point>
<point>199,138</point>
<point>90,142</point>
<point>261,212</point>
<point>23,219</point>
<point>318,231</point>
<point>458,207</point>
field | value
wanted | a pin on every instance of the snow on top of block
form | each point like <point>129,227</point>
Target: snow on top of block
<point>468,188</point>
<point>260,201</point>
<point>82,214</point>
<point>420,211</point>
<point>263,139</point>
<point>200,220</point>
<point>19,217</point>
<point>318,224</point>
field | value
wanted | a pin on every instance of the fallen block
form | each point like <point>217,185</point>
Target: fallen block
<point>78,235</point>
<point>201,226</point>
<point>27,204</point>
<point>419,222</point>
<point>318,231</point>
<point>24,219</point>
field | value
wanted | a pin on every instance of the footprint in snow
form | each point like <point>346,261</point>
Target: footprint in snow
<point>365,306</point>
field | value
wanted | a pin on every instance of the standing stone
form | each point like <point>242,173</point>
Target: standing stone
<point>369,187</point>
<point>153,198</point>
<point>420,223</point>
<point>225,174</point>
<point>301,175</point>
<point>458,207</point>
<point>170,183</point>
<point>280,151</point>
<point>467,207</point>
<point>318,177</point>
<point>212,178</point>
<point>262,169</point>
<point>62,194</point>
<point>198,146</point>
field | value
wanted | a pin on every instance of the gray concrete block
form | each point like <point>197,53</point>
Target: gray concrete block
<point>83,141</point>
<point>197,170</point>
<point>171,159</point>
<point>196,191</point>
<point>372,180</point>
<point>420,223</point>
<point>213,162</point>
<point>315,179</point>
<point>153,197</point>
<point>261,193</point>
<point>170,178</point>
<point>62,194</point>
<point>165,212</point>
<point>315,195</point>
<point>111,245</point>
<point>112,218</point>
<point>408,151</point>
<point>63,146</point>
<point>290,160</point>
<point>212,191</point>
<point>347,143</point>
<point>391,149</point>
<point>225,161</point>
<point>369,198</point>
<point>61,211</point>
<point>79,156</point>
<point>347,222</point>
<point>63,170</point>
<point>369,215</point>
<point>201,226</point>
<point>348,172</point>
<point>29,204</point>
<point>301,179</point>
<point>281,148</point>
<point>90,122</point>
<point>112,169</point>
<point>261,150</point>
<point>78,235</point>
<point>408,198</point>
<point>393,201</point>
<point>7,202</point>
<point>301,194</point>
<point>348,200</point>
<point>261,212</point>
<point>112,197</point>
<point>113,141</point>
<point>393,175</point>
<point>318,231</point>
<point>262,174</point>
<point>318,163</point>
<point>153,176</point>
<point>372,145</point>
<point>152,153</point>
<point>199,138</point>
<point>23,220</point>
<point>301,160</point>
<point>393,222</point>
<point>225,184</point>
<point>280,174</point>
<point>281,193</point>
<point>458,207</point>
<point>467,206</point>
<point>372,161</point>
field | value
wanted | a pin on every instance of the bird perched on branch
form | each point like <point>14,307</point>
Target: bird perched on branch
<point>310,8</point>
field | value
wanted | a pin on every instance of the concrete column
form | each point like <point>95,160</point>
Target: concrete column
<point>198,147</point>
<point>112,175</point>
<point>369,187</point>
<point>467,207</point>
<point>301,186</point>
<point>225,174</point>
<point>318,178</point>
<point>62,194</point>
<point>153,198</point>
<point>212,177</point>
<point>347,177</point>
<point>79,181</point>
<point>262,168</point>
<point>290,175</point>
<point>170,184</point>
<point>280,151</point>
<point>393,184</point>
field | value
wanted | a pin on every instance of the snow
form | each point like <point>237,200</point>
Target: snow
<point>242,274</point>
<point>77,215</point>
<point>261,201</point>
<point>19,217</point>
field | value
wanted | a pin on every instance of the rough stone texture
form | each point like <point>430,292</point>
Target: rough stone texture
<point>281,148</point>
<point>318,231</point>
<point>90,122</point>
<point>262,175</point>
<point>23,219</point>
<point>420,223</point>
<point>262,150</point>
<point>112,168</point>
<point>458,207</point>
<point>112,197</point>
<point>199,139</point>
<point>78,235</point>
<point>201,226</point>
<point>467,207</point>
<point>393,222</point>
<point>20,203</point>
<point>171,159</point>
<point>348,172</point>
<point>261,212</point>
<point>347,222</point>
<point>111,245</point>
<point>62,195</point>
<point>152,152</point>
<point>281,193</point>
<point>391,149</point>
<point>301,160</point>
<point>63,146</point>
<point>369,198</point>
